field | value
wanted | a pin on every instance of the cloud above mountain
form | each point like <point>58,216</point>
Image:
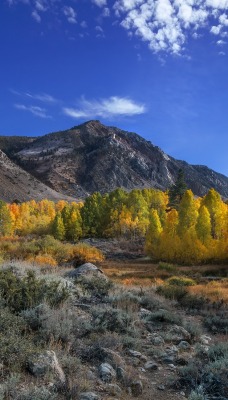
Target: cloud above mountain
<point>106,108</point>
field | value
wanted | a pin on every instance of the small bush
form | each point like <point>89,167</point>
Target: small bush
<point>198,394</point>
<point>43,260</point>
<point>180,281</point>
<point>172,292</point>
<point>217,323</point>
<point>163,316</point>
<point>20,294</point>
<point>37,393</point>
<point>163,266</point>
<point>83,253</point>
<point>113,320</point>
<point>95,286</point>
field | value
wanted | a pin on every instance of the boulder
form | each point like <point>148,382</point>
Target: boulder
<point>41,364</point>
<point>183,345</point>
<point>106,372</point>
<point>151,365</point>
<point>87,270</point>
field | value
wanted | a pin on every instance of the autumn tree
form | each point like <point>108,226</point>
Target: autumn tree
<point>187,213</point>
<point>203,225</point>
<point>6,222</point>
<point>153,233</point>
<point>58,229</point>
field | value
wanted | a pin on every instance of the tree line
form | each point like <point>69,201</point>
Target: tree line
<point>176,226</point>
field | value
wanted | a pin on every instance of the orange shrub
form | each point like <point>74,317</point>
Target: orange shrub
<point>43,260</point>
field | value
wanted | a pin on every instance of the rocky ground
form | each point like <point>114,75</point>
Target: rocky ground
<point>107,342</point>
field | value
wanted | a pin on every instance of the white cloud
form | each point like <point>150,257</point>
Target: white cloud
<point>43,97</point>
<point>106,12</point>
<point>100,3</point>
<point>106,108</point>
<point>166,24</point>
<point>35,110</point>
<point>70,14</point>
<point>40,5</point>
<point>36,16</point>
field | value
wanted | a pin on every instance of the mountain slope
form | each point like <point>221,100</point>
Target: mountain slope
<point>17,184</point>
<point>93,157</point>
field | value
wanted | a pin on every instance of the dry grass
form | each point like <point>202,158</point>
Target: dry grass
<point>144,273</point>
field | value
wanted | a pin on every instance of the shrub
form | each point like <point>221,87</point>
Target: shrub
<point>96,286</point>
<point>83,253</point>
<point>163,316</point>
<point>180,281</point>
<point>29,291</point>
<point>163,266</point>
<point>172,292</point>
<point>37,393</point>
<point>113,320</point>
<point>198,394</point>
<point>44,260</point>
<point>217,323</point>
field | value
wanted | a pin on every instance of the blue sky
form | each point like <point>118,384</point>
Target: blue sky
<point>155,67</point>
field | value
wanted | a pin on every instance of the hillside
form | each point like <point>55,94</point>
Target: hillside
<point>17,184</point>
<point>93,157</point>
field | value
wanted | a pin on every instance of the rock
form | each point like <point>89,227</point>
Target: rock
<point>87,270</point>
<point>168,360</point>
<point>106,372</point>
<point>136,388</point>
<point>151,365</point>
<point>112,357</point>
<point>134,353</point>
<point>114,389</point>
<point>177,333</point>
<point>88,396</point>
<point>161,387</point>
<point>121,375</point>
<point>183,345</point>
<point>204,339</point>
<point>40,364</point>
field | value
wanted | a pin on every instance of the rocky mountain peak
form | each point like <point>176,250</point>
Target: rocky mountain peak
<point>94,157</point>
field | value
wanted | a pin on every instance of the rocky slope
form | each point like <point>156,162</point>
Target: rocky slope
<point>17,184</point>
<point>93,157</point>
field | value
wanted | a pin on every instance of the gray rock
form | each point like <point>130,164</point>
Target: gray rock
<point>121,375</point>
<point>136,388</point>
<point>40,364</point>
<point>205,339</point>
<point>161,387</point>
<point>106,372</point>
<point>87,270</point>
<point>183,345</point>
<point>177,333</point>
<point>151,365</point>
<point>135,353</point>
<point>168,360</point>
<point>88,396</point>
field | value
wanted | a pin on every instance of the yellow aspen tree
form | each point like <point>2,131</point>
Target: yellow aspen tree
<point>153,234</point>
<point>187,213</point>
<point>203,225</point>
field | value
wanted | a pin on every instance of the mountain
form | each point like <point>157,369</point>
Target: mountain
<point>17,184</point>
<point>93,157</point>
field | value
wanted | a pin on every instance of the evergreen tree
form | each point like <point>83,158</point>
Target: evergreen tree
<point>177,190</point>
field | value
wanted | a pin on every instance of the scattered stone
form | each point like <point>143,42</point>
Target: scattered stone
<point>151,365</point>
<point>40,364</point>
<point>168,360</point>
<point>136,388</point>
<point>121,375</point>
<point>204,339</point>
<point>177,333</point>
<point>114,389</point>
<point>156,339</point>
<point>135,353</point>
<point>88,396</point>
<point>106,372</point>
<point>161,387</point>
<point>183,345</point>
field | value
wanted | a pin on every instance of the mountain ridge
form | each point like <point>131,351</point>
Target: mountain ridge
<point>93,157</point>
